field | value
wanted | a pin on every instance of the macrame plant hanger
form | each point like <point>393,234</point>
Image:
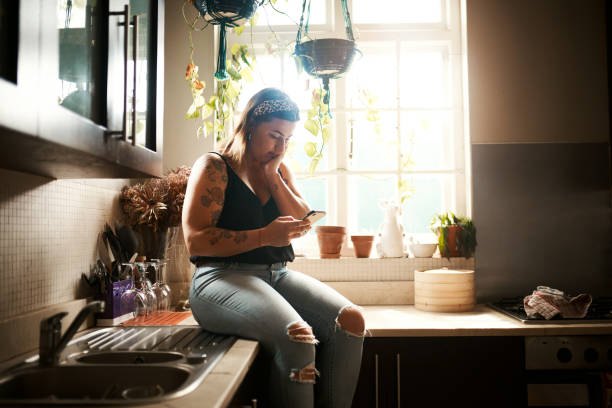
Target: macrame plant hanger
<point>225,13</point>
<point>326,58</point>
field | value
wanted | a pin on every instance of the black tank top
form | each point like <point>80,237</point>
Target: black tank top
<point>242,210</point>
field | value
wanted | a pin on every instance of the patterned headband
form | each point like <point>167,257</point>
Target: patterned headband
<point>275,105</point>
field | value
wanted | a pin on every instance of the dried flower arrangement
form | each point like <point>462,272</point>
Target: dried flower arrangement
<point>157,202</point>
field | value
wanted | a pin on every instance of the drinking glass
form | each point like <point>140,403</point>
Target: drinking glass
<point>161,281</point>
<point>133,300</point>
<point>145,286</point>
<point>154,270</point>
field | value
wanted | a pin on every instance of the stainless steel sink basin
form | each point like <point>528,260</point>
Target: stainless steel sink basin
<point>119,365</point>
<point>73,384</point>
<point>130,357</point>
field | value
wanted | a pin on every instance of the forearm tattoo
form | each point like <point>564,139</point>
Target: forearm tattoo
<point>216,235</point>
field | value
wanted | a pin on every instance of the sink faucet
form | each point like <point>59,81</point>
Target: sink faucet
<point>51,343</point>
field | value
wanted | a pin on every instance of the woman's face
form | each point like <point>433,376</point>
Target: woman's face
<point>270,139</point>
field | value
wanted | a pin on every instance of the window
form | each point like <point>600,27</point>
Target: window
<point>412,61</point>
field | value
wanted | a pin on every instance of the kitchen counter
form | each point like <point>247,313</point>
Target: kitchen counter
<point>407,321</point>
<point>220,385</point>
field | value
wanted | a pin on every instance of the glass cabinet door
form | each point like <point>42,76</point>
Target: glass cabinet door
<point>142,10</point>
<point>81,72</point>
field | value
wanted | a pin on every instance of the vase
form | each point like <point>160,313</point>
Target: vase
<point>152,243</point>
<point>391,232</point>
<point>330,240</point>
<point>453,239</point>
<point>362,245</point>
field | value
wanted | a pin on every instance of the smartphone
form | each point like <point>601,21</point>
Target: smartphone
<point>314,216</point>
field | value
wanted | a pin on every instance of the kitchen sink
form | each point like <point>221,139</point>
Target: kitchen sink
<point>118,365</point>
<point>130,357</point>
<point>76,383</point>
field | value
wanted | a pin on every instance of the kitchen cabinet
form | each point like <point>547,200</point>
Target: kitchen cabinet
<point>81,84</point>
<point>441,372</point>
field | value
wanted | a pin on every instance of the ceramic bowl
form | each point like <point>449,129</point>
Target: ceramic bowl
<point>423,250</point>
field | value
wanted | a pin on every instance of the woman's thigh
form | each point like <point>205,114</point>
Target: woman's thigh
<point>237,302</point>
<point>315,301</point>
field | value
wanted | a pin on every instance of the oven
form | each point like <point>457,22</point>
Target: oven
<point>569,371</point>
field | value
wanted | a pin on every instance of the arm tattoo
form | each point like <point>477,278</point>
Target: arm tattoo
<point>215,195</point>
<point>275,187</point>
<point>241,236</point>
<point>215,215</point>
<point>217,234</point>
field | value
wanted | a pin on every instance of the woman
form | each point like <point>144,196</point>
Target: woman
<point>241,212</point>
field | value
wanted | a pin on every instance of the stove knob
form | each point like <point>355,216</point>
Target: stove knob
<point>591,355</point>
<point>564,355</point>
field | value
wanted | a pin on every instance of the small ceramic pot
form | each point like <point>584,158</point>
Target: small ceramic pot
<point>454,235</point>
<point>330,240</point>
<point>362,245</point>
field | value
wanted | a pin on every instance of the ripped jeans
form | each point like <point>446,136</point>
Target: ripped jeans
<point>273,305</point>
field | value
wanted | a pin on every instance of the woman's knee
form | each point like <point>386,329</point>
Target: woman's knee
<point>351,320</point>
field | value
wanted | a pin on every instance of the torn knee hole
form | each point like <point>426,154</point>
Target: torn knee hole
<point>301,332</point>
<point>304,375</point>
<point>351,321</point>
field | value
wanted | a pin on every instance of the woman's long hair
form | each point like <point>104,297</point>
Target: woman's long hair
<point>235,147</point>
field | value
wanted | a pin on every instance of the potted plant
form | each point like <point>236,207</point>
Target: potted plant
<point>456,235</point>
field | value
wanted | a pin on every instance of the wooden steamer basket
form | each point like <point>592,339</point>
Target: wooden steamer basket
<point>444,290</point>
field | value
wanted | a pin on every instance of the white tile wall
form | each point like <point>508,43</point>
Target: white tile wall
<point>48,234</point>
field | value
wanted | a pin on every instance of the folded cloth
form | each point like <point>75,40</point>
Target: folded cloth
<point>550,302</point>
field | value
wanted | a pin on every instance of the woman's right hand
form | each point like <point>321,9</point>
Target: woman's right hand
<point>282,230</point>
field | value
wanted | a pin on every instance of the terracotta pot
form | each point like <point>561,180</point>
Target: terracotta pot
<point>362,245</point>
<point>454,235</point>
<point>330,240</point>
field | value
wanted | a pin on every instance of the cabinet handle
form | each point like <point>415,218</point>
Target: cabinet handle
<point>376,379</point>
<point>397,360</point>
<point>135,58</point>
<point>126,28</point>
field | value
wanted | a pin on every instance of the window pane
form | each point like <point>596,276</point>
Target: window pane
<point>365,216</point>
<point>314,191</point>
<point>279,71</point>
<point>296,157</point>
<point>376,73</point>
<point>426,140</point>
<point>288,12</point>
<point>372,151</point>
<point>424,77</point>
<point>397,11</point>
<point>429,195</point>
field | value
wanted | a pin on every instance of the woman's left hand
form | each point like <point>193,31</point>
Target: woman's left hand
<point>271,167</point>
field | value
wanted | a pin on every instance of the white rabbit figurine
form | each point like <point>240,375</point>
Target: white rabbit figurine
<point>391,232</point>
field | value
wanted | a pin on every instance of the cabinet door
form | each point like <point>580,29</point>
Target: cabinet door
<point>442,371</point>
<point>96,98</point>
<point>19,21</point>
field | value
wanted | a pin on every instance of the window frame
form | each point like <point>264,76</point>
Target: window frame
<point>448,34</point>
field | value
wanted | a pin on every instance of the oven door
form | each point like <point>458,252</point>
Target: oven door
<point>551,388</point>
<point>568,371</point>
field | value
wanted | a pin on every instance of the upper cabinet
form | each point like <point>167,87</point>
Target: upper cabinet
<point>81,85</point>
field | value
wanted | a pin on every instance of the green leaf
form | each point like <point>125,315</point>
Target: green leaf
<point>207,110</point>
<point>313,165</point>
<point>235,49</point>
<point>310,148</point>
<point>326,133</point>
<point>312,126</point>
<point>238,30</point>
<point>233,73</point>
<point>247,74</point>
<point>192,112</point>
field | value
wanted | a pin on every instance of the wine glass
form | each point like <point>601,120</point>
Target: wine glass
<point>154,270</point>
<point>161,281</point>
<point>133,300</point>
<point>145,286</point>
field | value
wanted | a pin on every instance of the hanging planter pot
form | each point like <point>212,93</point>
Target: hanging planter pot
<point>225,13</point>
<point>326,57</point>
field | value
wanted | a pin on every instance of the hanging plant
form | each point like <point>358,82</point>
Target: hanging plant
<point>231,72</point>
<point>325,58</point>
